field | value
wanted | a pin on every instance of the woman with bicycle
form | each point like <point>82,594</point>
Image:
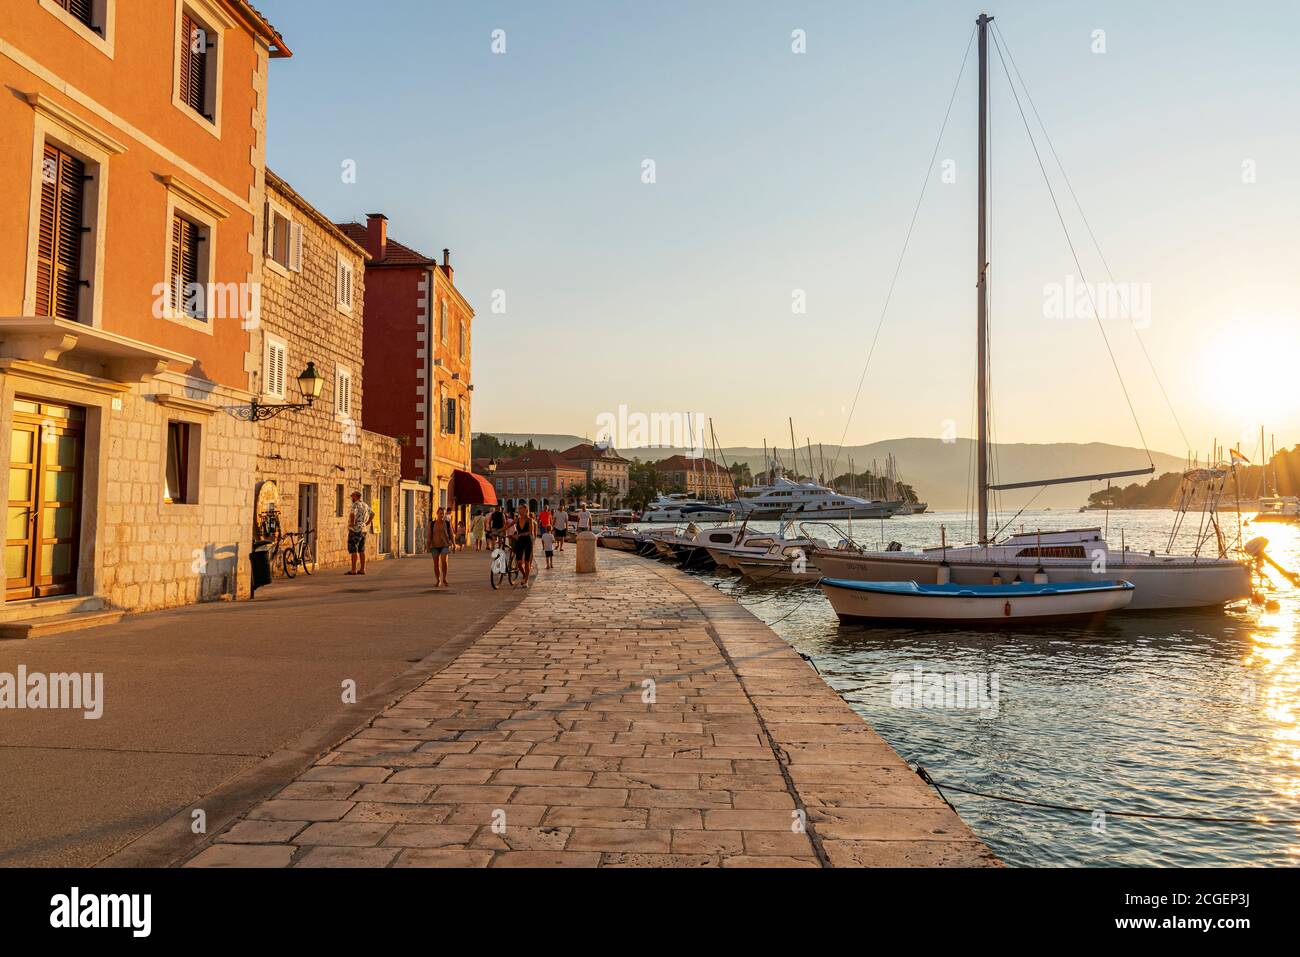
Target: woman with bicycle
<point>524,531</point>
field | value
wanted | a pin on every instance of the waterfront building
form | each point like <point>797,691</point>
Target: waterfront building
<point>539,477</point>
<point>700,477</point>
<point>309,461</point>
<point>131,214</point>
<point>419,386</point>
<point>602,463</point>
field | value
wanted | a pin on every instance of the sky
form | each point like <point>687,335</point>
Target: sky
<point>746,282</point>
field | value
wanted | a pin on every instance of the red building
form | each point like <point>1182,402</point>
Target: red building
<point>538,477</point>
<point>416,378</point>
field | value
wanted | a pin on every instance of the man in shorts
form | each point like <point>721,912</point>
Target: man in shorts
<point>440,542</point>
<point>358,525</point>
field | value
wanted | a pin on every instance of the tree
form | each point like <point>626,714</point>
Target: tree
<point>597,488</point>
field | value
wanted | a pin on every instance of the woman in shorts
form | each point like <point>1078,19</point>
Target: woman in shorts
<point>524,530</point>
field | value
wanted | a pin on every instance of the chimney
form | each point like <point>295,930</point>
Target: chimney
<point>446,264</point>
<point>377,236</point>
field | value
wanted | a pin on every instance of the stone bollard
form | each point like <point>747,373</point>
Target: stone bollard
<point>586,552</point>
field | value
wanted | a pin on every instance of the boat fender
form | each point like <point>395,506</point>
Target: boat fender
<point>1006,609</point>
<point>1040,576</point>
<point>997,577</point>
<point>943,574</point>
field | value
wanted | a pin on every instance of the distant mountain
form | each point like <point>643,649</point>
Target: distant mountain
<point>940,471</point>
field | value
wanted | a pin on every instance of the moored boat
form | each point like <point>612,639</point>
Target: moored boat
<point>974,604</point>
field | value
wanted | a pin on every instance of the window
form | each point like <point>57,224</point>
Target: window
<point>545,482</point>
<point>92,19</point>
<point>58,248</point>
<point>196,88</point>
<point>283,239</point>
<point>463,433</point>
<point>442,321</point>
<point>343,284</point>
<point>462,340</point>
<point>182,479</point>
<point>449,416</point>
<point>185,272</point>
<point>343,391</point>
<point>273,364</point>
<point>338,501</point>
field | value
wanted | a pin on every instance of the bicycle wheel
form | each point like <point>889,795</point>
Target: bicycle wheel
<point>290,563</point>
<point>511,568</point>
<point>307,557</point>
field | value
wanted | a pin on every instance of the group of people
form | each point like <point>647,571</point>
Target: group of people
<point>520,530</point>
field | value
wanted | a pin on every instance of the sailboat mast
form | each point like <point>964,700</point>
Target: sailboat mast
<point>981,282</point>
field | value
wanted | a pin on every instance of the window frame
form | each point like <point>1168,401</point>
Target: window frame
<point>181,202</point>
<point>442,322</point>
<point>191,482</point>
<point>215,21</point>
<point>343,410</point>
<point>344,269</point>
<point>293,240</point>
<point>105,13</point>
<point>270,340</point>
<point>66,131</point>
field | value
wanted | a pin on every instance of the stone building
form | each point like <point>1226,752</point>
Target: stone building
<point>604,464</point>
<point>309,461</point>
<point>130,259</point>
<point>538,477</point>
<point>696,476</point>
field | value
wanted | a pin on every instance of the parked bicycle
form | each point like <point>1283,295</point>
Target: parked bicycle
<point>296,552</point>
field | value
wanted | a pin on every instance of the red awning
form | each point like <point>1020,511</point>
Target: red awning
<point>470,489</point>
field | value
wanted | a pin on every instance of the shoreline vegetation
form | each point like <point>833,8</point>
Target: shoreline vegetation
<point>1279,476</point>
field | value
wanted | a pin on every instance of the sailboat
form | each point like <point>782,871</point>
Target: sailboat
<point>1073,555</point>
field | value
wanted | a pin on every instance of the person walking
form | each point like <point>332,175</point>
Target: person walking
<point>524,530</point>
<point>584,518</point>
<point>548,547</point>
<point>460,535</point>
<point>477,529</point>
<point>440,540</point>
<point>561,525</point>
<point>544,519</point>
<point>497,524</point>
<point>358,524</point>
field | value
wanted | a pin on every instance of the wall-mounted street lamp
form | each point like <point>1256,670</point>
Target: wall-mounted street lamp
<point>491,466</point>
<point>310,383</point>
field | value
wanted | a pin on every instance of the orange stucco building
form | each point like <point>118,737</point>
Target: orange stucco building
<point>132,227</point>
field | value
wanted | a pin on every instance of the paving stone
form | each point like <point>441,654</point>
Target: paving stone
<point>441,857</point>
<point>261,832</point>
<point>345,834</point>
<point>347,857</point>
<point>244,855</point>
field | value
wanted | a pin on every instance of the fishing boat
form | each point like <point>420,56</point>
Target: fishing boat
<point>913,602</point>
<point>1076,555</point>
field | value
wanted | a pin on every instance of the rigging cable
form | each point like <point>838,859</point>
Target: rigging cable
<point>903,254</point>
<point>1088,226</point>
<point>1074,254</point>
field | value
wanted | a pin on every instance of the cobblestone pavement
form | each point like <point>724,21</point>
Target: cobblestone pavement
<point>635,717</point>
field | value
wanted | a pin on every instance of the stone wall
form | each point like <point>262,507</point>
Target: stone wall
<point>321,450</point>
<point>155,554</point>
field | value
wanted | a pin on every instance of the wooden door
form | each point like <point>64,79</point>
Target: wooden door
<point>43,531</point>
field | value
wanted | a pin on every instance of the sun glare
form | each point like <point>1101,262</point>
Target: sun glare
<point>1251,372</point>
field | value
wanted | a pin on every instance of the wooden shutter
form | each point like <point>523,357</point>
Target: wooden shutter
<point>273,374</point>
<point>83,10</point>
<point>295,247</point>
<point>194,64</point>
<point>58,246</point>
<point>184,263</point>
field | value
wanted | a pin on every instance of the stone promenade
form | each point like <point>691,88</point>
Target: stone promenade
<point>635,717</point>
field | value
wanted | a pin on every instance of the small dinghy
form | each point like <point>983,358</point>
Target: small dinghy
<point>973,604</point>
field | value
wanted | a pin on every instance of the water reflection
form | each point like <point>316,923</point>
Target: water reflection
<point>1168,713</point>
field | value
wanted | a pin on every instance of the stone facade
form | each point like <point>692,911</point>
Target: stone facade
<point>603,463</point>
<point>313,311</point>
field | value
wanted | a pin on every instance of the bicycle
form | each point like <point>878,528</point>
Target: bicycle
<point>297,552</point>
<point>503,565</point>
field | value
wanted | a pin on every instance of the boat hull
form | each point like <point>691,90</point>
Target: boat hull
<point>1156,586</point>
<point>993,605</point>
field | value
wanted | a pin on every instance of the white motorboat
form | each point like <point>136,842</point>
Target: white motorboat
<point>1278,508</point>
<point>974,604</point>
<point>786,562</point>
<point>622,539</point>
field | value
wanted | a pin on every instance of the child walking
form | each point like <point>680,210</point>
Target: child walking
<point>548,546</point>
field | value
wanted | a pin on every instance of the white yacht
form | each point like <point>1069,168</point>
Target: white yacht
<point>788,500</point>
<point>679,507</point>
